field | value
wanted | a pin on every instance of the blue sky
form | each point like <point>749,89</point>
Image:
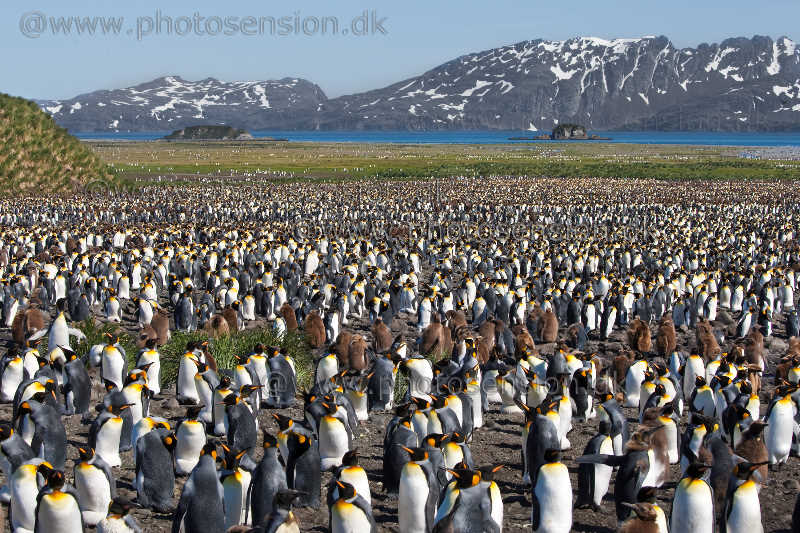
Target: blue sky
<point>419,35</point>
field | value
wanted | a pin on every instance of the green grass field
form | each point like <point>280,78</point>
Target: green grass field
<point>145,162</point>
<point>224,349</point>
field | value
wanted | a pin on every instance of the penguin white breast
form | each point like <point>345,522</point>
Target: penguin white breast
<point>93,489</point>
<point>412,496</point>
<point>59,512</point>
<point>553,490</point>
<point>347,517</point>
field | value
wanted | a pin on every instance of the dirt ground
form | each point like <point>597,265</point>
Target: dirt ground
<point>497,442</point>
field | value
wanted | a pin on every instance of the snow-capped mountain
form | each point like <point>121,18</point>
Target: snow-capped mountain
<point>644,83</point>
<point>170,103</point>
<point>626,83</point>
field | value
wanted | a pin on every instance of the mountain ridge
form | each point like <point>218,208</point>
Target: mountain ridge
<point>740,83</point>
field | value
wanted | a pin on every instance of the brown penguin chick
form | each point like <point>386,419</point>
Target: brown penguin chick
<point>160,323</point>
<point>342,348</point>
<point>289,316</point>
<point>358,357</point>
<point>754,352</point>
<point>707,344</point>
<point>548,326</point>
<point>231,316</point>
<point>217,326</point>
<point>146,334</point>
<point>26,323</point>
<point>754,377</point>
<point>488,332</point>
<point>639,336</point>
<point>643,519</point>
<point>432,341</point>
<point>665,337</point>
<point>523,342</point>
<point>752,447</point>
<point>622,363</point>
<point>794,346</point>
<point>455,319</point>
<point>381,336</point>
<point>314,329</point>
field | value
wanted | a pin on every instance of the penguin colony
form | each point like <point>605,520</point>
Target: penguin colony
<point>657,319</point>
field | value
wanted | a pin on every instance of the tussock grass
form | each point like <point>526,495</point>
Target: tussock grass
<point>224,348</point>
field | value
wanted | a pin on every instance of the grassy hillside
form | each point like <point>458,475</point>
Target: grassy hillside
<point>37,156</point>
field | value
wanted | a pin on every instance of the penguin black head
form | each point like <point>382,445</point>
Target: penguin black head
<point>284,498</point>
<point>647,494</point>
<point>745,470</point>
<point>193,411</point>
<point>488,472</point>
<point>416,454</point>
<point>232,457</point>
<point>697,470</point>
<point>85,453</point>
<point>330,408</point>
<point>458,438</point>
<point>53,478</point>
<point>209,449</point>
<point>436,440</point>
<point>552,455</point>
<point>284,422</point>
<point>116,410</point>
<point>346,491</point>
<point>111,339</point>
<point>298,443</point>
<point>350,458</point>
<point>464,476</point>
<point>5,431</point>
<point>246,390</point>
<point>269,440</point>
<point>231,399</point>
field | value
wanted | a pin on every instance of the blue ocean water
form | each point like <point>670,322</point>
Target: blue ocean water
<point>494,137</point>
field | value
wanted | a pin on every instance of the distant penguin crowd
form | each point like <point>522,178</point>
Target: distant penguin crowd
<point>643,312</point>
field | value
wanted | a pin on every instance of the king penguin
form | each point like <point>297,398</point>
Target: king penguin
<point>551,506</point>
<point>693,502</point>
<point>350,512</point>
<point>417,498</point>
<point>200,507</point>
<point>95,485</point>
<point>593,479</point>
<point>57,509</point>
<point>269,479</point>
<point>742,513</point>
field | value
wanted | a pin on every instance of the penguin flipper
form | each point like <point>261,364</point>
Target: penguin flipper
<point>446,507</point>
<point>180,512</point>
<point>39,334</point>
<point>74,332</point>
<point>535,518</point>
